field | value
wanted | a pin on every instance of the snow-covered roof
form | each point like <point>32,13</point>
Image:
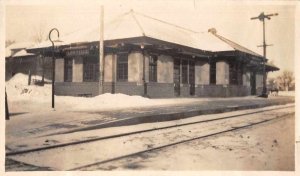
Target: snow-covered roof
<point>233,45</point>
<point>22,53</point>
<point>17,47</point>
<point>134,24</point>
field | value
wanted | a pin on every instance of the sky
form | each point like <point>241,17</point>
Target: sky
<point>230,18</point>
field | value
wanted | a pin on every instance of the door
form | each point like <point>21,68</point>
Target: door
<point>253,83</point>
<point>177,77</point>
<point>192,77</point>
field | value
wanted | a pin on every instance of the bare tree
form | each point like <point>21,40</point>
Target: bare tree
<point>39,32</point>
<point>272,83</point>
<point>286,81</point>
<point>9,42</point>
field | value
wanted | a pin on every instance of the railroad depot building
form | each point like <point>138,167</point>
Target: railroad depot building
<point>18,60</point>
<point>149,57</point>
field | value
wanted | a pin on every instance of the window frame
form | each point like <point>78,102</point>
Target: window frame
<point>233,73</point>
<point>184,71</point>
<point>90,69</point>
<point>153,59</point>
<point>68,65</point>
<point>122,67</point>
<point>212,72</point>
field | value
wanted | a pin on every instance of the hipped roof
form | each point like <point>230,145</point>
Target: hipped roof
<point>234,45</point>
<point>133,24</point>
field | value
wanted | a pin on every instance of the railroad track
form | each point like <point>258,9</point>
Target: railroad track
<point>137,132</point>
<point>82,167</point>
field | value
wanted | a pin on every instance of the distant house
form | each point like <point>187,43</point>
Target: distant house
<point>18,60</point>
<point>149,57</point>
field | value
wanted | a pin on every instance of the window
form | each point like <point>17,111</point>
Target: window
<point>184,71</point>
<point>240,73</point>
<point>68,70</point>
<point>90,69</point>
<point>212,74</point>
<point>191,72</point>
<point>153,68</point>
<point>233,73</point>
<point>122,67</point>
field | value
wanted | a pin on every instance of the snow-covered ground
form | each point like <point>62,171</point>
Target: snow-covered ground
<point>265,147</point>
<point>268,146</point>
<point>286,93</point>
<point>24,98</point>
<point>37,97</point>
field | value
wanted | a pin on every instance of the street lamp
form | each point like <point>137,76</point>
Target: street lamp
<point>53,62</point>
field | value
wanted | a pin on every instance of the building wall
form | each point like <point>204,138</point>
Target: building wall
<point>259,83</point>
<point>221,90</point>
<point>184,90</point>
<point>246,78</point>
<point>77,88</point>
<point>59,70</point>
<point>163,88</point>
<point>135,67</point>
<point>222,72</point>
<point>160,90</point>
<point>164,69</point>
<point>202,72</point>
<point>110,68</point>
<point>77,75</point>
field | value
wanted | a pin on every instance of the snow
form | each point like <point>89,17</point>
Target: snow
<point>35,96</point>
<point>39,97</point>
<point>286,93</point>
<point>16,46</point>
<point>142,25</point>
<point>22,53</point>
<point>250,149</point>
<point>17,89</point>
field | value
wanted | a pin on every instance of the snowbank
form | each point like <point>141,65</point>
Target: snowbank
<point>17,88</point>
<point>105,101</point>
<point>286,93</point>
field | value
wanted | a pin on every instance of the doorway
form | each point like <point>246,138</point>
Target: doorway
<point>192,77</point>
<point>253,83</point>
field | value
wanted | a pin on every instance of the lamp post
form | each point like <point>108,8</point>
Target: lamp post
<point>53,63</point>
<point>262,18</point>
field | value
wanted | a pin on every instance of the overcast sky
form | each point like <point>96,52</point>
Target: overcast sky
<point>232,20</point>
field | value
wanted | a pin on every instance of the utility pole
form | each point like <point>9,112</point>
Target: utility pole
<point>262,18</point>
<point>101,52</point>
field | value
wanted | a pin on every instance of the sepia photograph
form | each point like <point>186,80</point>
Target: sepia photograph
<point>140,85</point>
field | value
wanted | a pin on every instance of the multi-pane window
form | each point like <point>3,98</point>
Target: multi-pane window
<point>184,72</point>
<point>68,70</point>
<point>153,68</point>
<point>90,69</point>
<point>122,67</point>
<point>212,74</point>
